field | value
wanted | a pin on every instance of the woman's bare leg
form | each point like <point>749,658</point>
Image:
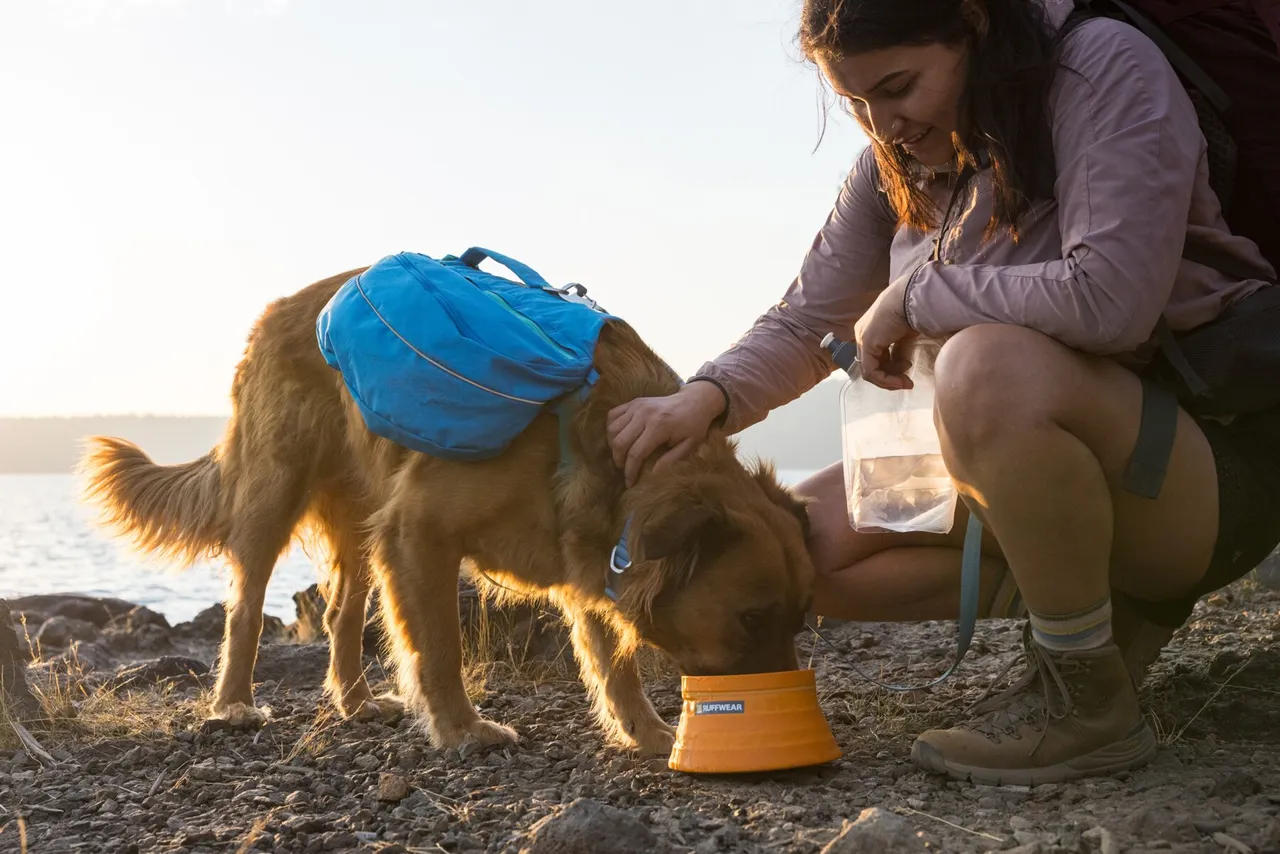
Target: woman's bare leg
<point>1038,438</point>
<point>890,576</point>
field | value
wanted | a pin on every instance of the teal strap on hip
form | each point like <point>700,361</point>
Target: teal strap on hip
<point>970,584</point>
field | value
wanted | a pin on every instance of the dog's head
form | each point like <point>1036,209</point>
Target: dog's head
<point>721,575</point>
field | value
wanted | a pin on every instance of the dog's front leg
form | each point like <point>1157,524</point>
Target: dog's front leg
<point>613,680</point>
<point>419,577</point>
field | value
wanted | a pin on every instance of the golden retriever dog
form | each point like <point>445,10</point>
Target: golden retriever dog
<point>719,581</point>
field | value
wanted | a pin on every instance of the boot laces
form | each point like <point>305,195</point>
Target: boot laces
<point>1021,703</point>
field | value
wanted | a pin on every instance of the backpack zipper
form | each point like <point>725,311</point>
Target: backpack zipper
<point>529,322</point>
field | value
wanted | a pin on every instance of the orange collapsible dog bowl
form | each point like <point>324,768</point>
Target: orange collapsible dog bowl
<point>752,722</point>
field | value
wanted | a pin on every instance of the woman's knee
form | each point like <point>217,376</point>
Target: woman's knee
<point>995,378</point>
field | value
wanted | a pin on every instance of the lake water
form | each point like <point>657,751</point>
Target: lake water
<point>48,545</point>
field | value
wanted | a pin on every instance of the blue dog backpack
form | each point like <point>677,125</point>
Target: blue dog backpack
<point>449,360</point>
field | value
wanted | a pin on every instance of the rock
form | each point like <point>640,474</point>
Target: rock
<point>1161,822</point>
<point>145,638</point>
<point>59,631</point>
<point>1231,843</point>
<point>309,627</point>
<point>18,698</point>
<point>1209,826</point>
<point>337,840</point>
<point>206,625</point>
<point>139,617</point>
<point>170,669</point>
<point>310,605</point>
<point>512,631</point>
<point>1235,787</point>
<point>295,665</point>
<point>392,788</point>
<point>876,831</point>
<point>589,827</point>
<point>1268,572</point>
<point>1102,840</point>
<point>1225,661</point>
<point>205,773</point>
<point>90,609</point>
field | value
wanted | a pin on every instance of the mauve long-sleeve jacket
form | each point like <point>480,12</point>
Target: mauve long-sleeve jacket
<point>1095,267</point>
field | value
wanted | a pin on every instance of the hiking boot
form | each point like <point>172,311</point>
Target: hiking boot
<point>1069,715</point>
<point>1139,639</point>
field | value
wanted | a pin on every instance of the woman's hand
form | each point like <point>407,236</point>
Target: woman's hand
<point>679,420</point>
<point>882,335</point>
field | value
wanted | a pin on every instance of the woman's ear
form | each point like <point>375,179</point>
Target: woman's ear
<point>974,13</point>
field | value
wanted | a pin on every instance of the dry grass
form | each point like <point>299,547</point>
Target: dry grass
<point>492,648</point>
<point>73,710</point>
<point>14,828</point>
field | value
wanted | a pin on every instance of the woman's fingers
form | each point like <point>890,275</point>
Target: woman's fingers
<point>671,456</point>
<point>649,440</point>
<point>617,418</point>
<point>622,436</point>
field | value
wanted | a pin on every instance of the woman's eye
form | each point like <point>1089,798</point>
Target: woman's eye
<point>899,90</point>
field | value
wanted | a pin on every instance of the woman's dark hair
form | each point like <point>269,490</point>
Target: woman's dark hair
<point>1005,98</point>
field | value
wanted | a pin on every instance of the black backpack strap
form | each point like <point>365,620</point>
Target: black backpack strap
<point>1149,461</point>
<point>1178,58</point>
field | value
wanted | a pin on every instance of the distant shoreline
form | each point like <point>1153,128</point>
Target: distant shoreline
<point>804,434</point>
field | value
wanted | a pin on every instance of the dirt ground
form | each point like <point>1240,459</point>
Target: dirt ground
<point>133,769</point>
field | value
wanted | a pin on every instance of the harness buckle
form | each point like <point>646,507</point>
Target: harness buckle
<point>576,293</point>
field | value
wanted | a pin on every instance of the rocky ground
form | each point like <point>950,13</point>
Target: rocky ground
<point>124,763</point>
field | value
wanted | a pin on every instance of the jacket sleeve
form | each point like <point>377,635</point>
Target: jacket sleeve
<point>781,355</point>
<point>1127,147</point>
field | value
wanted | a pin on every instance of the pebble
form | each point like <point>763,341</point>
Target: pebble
<point>392,787</point>
<point>205,773</point>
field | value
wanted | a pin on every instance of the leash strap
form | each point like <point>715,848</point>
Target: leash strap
<point>970,583</point>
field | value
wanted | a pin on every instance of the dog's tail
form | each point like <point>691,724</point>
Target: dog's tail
<point>172,512</point>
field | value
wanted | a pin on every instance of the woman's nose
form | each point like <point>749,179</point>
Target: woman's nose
<point>885,126</point>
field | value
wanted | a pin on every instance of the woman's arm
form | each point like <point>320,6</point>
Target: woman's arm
<point>1127,147</point>
<point>781,357</point>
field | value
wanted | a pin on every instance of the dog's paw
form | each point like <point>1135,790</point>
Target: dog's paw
<point>472,736</point>
<point>240,716</point>
<point>488,733</point>
<point>383,708</point>
<point>656,740</point>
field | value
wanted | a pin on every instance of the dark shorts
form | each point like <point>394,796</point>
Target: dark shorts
<point>1247,456</point>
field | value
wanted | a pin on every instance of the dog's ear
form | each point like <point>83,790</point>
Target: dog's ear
<point>675,529</point>
<point>767,478</point>
<point>670,543</point>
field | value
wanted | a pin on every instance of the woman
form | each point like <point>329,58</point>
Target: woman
<point>1023,198</point>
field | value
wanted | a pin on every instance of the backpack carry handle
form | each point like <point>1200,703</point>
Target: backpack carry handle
<point>473,256</point>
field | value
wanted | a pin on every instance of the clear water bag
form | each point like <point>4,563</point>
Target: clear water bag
<point>894,476</point>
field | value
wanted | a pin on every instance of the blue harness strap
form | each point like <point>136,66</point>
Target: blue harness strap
<point>620,555</point>
<point>619,563</point>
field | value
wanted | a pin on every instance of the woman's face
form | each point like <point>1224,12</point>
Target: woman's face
<point>908,96</point>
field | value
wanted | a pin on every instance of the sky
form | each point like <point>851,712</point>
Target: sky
<point>169,167</point>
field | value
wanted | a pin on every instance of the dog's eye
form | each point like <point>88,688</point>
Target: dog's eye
<point>754,619</point>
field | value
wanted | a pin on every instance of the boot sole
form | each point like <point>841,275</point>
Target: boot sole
<point>1133,751</point>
